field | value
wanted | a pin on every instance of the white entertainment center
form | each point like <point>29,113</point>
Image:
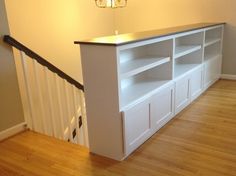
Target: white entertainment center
<point>135,83</point>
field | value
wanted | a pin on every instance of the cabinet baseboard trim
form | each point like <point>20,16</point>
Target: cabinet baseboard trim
<point>230,77</point>
<point>12,131</point>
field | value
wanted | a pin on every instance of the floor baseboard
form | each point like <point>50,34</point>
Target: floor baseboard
<point>230,77</point>
<point>12,131</point>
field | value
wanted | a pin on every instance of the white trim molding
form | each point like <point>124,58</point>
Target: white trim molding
<point>230,77</point>
<point>12,131</point>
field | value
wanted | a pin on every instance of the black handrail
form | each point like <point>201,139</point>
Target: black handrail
<point>13,42</point>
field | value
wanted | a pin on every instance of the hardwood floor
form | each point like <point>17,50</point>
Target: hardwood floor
<point>200,141</point>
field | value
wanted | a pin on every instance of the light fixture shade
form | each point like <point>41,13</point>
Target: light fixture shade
<point>111,3</point>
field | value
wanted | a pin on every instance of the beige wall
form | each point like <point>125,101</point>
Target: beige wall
<point>153,14</point>
<point>10,103</point>
<point>50,27</point>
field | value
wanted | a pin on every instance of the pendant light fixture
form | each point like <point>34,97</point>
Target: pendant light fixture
<point>111,3</point>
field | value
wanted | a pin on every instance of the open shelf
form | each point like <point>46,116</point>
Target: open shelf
<point>140,90</point>
<point>136,66</point>
<point>185,49</point>
<point>210,56</point>
<point>211,41</point>
<point>181,69</point>
<point>143,70</point>
<point>187,62</point>
<point>212,51</point>
<point>137,87</point>
<point>213,36</point>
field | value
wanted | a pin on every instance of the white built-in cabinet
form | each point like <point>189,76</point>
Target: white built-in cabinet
<point>133,88</point>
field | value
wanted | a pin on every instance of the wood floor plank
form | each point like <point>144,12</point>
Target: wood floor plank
<point>200,141</point>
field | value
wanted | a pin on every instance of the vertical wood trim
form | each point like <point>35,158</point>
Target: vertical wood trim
<point>203,63</point>
<point>125,144</point>
<point>173,58</point>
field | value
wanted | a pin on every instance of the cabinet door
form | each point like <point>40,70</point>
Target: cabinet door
<point>212,71</point>
<point>196,83</point>
<point>162,108</point>
<point>182,93</point>
<point>137,126</point>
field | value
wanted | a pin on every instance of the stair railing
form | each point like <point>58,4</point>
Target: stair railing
<point>53,102</point>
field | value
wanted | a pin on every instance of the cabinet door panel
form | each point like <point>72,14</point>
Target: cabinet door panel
<point>217,68</point>
<point>196,83</point>
<point>182,93</point>
<point>162,108</point>
<point>212,71</point>
<point>207,75</point>
<point>137,126</point>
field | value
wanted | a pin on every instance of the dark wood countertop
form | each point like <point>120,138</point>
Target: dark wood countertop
<point>122,39</point>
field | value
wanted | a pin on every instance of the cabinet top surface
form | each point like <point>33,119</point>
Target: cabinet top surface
<point>122,39</point>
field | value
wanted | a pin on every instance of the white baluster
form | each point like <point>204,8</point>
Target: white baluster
<point>41,116</point>
<point>77,113</point>
<point>67,98</point>
<point>84,118</point>
<point>23,89</point>
<point>30,119</point>
<point>50,98</point>
<point>62,125</point>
